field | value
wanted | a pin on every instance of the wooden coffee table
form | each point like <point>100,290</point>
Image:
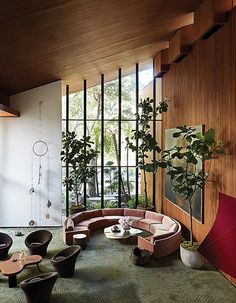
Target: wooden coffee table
<point>16,264</point>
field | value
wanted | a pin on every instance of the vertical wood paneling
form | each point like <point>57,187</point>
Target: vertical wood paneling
<point>202,90</point>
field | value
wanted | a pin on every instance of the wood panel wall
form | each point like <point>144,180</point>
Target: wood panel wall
<point>202,90</point>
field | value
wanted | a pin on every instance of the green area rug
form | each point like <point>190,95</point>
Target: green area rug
<point>104,274</point>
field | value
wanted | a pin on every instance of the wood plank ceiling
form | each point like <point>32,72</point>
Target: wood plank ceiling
<point>44,41</point>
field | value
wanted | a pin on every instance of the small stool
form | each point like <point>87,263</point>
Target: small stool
<point>80,239</point>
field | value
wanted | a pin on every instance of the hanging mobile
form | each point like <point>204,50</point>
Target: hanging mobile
<point>39,150</point>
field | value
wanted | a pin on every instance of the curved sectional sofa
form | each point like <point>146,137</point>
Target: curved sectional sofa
<point>166,232</point>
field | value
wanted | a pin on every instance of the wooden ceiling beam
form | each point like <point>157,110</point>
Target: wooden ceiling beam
<point>161,63</point>
<point>181,44</point>
<point>210,16</point>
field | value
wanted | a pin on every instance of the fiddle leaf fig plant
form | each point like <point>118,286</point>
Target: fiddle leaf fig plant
<point>77,154</point>
<point>146,142</point>
<point>186,177</point>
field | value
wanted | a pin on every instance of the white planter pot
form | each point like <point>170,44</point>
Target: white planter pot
<point>191,258</point>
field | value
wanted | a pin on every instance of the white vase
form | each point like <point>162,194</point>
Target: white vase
<point>191,258</point>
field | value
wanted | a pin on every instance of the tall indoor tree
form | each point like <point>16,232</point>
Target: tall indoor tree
<point>147,144</point>
<point>182,160</point>
<point>77,154</point>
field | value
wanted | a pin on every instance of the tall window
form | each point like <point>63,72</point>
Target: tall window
<point>109,117</point>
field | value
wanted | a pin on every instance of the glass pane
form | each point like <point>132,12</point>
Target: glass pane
<point>111,186</point>
<point>111,142</point>
<point>94,102</point>
<point>127,156</point>
<point>63,107</point>
<point>76,126</point>
<point>145,75</point>
<point>127,186</point>
<point>76,105</point>
<point>94,131</point>
<point>72,195</point>
<point>111,100</point>
<point>93,199</point>
<point>128,103</point>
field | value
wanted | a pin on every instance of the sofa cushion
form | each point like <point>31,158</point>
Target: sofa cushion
<point>168,222</point>
<point>113,217</point>
<point>98,223</point>
<point>154,216</point>
<point>162,234</point>
<point>93,223</point>
<point>135,219</point>
<point>174,228</point>
<point>84,223</point>
<point>134,212</point>
<point>70,224</point>
<point>143,224</point>
<point>156,227</point>
<point>112,211</point>
<point>77,217</point>
<point>88,214</point>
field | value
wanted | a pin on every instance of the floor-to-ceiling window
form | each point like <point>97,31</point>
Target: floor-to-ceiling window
<point>107,113</point>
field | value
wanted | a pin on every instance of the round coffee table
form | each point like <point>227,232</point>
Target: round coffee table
<point>122,234</point>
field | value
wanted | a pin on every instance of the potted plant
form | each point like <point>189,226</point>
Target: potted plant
<point>77,154</point>
<point>141,202</point>
<point>147,144</point>
<point>186,178</point>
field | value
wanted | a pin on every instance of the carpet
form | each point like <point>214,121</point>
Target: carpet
<point>104,274</point>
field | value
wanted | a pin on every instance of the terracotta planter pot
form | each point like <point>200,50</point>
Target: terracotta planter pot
<point>191,258</point>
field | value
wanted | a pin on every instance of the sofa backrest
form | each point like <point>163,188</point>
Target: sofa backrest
<point>129,212</point>
<point>88,214</point>
<point>113,211</point>
<point>168,222</point>
<point>77,218</point>
<point>154,216</point>
<point>163,235</point>
<point>85,215</point>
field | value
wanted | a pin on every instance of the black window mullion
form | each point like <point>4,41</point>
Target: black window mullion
<point>137,100</point>
<point>102,141</point>
<point>154,135</point>
<point>67,129</point>
<point>119,138</point>
<point>85,125</point>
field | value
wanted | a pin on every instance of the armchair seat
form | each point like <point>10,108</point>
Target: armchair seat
<point>5,245</point>
<point>37,242</point>
<point>64,261</point>
<point>38,288</point>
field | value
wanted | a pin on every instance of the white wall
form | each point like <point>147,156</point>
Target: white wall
<point>17,136</point>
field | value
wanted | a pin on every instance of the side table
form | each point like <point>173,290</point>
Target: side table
<point>81,240</point>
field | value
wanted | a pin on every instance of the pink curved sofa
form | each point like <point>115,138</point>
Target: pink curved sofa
<point>166,232</point>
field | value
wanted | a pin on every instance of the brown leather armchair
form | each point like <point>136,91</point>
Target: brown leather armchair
<point>38,289</point>
<point>37,242</point>
<point>64,261</point>
<point>5,245</point>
